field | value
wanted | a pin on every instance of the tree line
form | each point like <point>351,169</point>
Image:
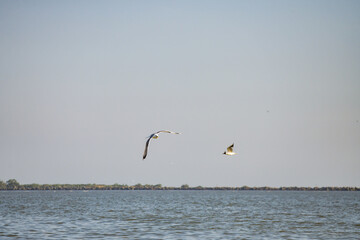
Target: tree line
<point>13,184</point>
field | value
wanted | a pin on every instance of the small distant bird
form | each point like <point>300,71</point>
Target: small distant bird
<point>155,136</point>
<point>229,150</point>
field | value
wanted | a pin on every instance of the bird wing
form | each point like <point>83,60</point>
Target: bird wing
<point>167,131</point>
<point>229,149</point>
<point>146,147</point>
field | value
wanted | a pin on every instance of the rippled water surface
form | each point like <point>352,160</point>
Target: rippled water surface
<point>179,215</point>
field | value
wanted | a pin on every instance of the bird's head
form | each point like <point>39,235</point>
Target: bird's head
<point>224,153</point>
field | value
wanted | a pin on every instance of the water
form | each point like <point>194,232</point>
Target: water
<point>179,215</point>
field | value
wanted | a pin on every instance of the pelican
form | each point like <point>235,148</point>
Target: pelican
<point>155,136</point>
<point>229,150</point>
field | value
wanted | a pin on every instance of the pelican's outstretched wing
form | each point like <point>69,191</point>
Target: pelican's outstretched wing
<point>146,148</point>
<point>167,131</point>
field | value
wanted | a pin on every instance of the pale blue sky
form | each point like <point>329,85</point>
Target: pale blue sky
<point>82,83</point>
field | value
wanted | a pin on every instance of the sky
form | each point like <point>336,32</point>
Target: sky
<point>83,83</point>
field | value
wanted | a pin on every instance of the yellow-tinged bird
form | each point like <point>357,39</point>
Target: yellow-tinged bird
<point>229,150</point>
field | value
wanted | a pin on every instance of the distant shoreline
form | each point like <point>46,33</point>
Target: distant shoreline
<point>13,185</point>
<point>196,189</point>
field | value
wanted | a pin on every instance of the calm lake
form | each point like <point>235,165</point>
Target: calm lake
<point>179,215</point>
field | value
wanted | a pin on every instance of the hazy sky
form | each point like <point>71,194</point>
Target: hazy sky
<point>83,83</point>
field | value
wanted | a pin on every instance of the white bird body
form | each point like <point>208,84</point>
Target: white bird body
<point>229,151</point>
<point>155,136</point>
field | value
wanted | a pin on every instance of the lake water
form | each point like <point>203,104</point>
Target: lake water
<point>179,215</point>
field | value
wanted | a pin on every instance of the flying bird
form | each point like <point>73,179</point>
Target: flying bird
<point>229,150</point>
<point>155,136</point>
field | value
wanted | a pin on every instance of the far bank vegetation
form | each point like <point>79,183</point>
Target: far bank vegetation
<point>13,184</point>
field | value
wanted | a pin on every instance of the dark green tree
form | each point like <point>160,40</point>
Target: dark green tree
<point>185,186</point>
<point>12,184</point>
